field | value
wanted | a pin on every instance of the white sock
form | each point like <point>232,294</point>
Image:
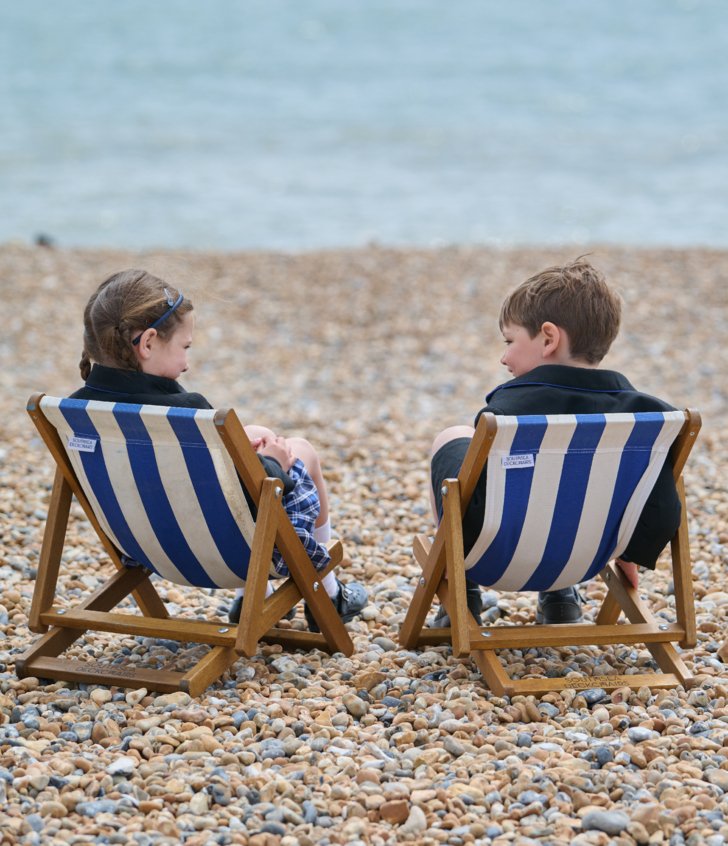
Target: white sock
<point>268,590</point>
<point>322,533</point>
<point>331,585</point>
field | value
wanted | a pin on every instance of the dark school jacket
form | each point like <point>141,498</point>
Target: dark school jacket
<point>111,384</point>
<point>558,389</point>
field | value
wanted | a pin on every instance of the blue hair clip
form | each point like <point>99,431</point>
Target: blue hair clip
<point>173,306</point>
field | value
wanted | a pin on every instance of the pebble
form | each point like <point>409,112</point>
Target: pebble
<point>639,735</point>
<point>610,822</point>
<point>416,822</point>
<point>356,706</point>
<point>387,745</point>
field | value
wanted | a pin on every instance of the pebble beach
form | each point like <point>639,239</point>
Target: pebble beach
<point>368,353</point>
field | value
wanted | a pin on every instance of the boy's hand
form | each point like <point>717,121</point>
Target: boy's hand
<point>278,449</point>
<point>630,571</point>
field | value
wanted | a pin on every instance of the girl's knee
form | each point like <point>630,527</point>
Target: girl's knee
<point>452,433</point>
<point>304,450</point>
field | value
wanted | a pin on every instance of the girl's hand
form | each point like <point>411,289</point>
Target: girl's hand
<point>278,449</point>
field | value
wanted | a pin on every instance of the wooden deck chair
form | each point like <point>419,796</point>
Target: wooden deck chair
<point>563,495</point>
<point>162,487</point>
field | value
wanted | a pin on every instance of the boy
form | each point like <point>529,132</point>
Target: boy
<point>558,325</point>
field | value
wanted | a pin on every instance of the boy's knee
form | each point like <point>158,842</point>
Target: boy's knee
<point>452,433</point>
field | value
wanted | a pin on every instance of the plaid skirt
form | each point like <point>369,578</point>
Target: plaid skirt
<point>303,507</point>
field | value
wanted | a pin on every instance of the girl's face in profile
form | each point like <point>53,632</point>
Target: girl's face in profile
<point>168,357</point>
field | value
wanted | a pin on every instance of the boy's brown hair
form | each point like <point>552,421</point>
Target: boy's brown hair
<point>576,298</point>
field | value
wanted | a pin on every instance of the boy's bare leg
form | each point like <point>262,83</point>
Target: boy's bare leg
<point>452,433</point>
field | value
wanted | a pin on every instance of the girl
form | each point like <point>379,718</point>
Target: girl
<point>137,331</point>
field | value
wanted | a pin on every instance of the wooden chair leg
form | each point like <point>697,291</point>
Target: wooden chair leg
<point>208,669</point>
<point>432,560</point>
<point>682,575</point>
<point>249,632</point>
<point>51,551</point>
<point>457,606</point>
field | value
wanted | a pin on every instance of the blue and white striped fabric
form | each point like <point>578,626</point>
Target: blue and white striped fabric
<point>564,493</point>
<point>162,486</point>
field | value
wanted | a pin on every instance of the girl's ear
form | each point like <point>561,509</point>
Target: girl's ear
<point>145,346</point>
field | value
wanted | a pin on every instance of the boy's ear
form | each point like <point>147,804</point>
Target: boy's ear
<point>554,339</point>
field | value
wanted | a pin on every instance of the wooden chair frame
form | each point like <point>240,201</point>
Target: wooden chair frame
<point>443,574</point>
<point>61,627</point>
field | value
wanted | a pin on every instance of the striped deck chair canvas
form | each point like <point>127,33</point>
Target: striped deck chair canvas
<point>162,488</point>
<point>563,496</point>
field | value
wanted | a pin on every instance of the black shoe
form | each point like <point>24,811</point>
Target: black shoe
<point>475,606</point>
<point>559,606</point>
<point>236,607</point>
<point>349,601</point>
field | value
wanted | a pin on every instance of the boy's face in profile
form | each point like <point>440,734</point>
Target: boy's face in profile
<point>523,352</point>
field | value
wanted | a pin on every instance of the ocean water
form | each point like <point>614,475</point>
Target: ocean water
<point>324,123</point>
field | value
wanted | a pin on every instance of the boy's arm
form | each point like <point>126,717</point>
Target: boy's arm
<point>657,524</point>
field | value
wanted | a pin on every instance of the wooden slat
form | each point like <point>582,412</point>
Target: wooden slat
<point>533,636</point>
<point>172,628</point>
<point>538,687</point>
<point>295,639</point>
<point>93,672</point>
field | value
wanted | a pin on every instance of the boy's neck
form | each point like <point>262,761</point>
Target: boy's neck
<point>570,361</point>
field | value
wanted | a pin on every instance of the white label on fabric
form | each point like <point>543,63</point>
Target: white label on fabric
<point>82,444</point>
<point>511,461</point>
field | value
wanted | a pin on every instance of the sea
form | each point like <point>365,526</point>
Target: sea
<point>274,124</point>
